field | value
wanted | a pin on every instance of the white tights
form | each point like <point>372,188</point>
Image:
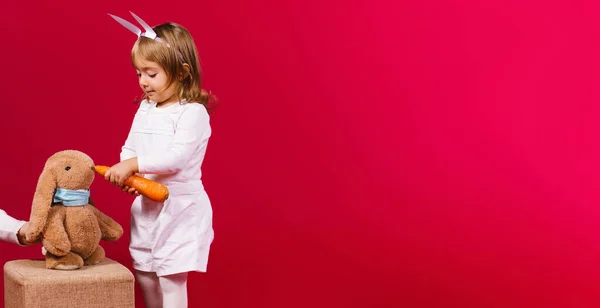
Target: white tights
<point>163,292</point>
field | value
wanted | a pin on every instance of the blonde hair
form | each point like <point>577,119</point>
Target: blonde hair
<point>176,49</point>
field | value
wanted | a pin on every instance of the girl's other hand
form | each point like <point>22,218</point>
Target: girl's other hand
<point>130,190</point>
<point>22,238</point>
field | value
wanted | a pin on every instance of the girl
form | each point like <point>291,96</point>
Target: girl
<point>167,143</point>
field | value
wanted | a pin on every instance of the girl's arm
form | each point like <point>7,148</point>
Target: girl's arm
<point>192,129</point>
<point>127,155</point>
<point>128,150</point>
<point>9,228</point>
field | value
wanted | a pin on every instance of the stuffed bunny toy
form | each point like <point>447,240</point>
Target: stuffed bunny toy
<point>69,226</point>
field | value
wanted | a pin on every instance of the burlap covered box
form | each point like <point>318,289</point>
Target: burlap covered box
<point>28,284</point>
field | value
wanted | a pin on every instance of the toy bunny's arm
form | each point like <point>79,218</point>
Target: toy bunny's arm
<point>111,230</point>
<point>56,240</point>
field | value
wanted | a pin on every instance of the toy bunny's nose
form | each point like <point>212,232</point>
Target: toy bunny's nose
<point>92,167</point>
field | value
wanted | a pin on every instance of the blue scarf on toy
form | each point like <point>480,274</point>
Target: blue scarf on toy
<point>69,197</point>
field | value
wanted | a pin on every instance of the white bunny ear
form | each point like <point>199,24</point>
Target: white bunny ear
<point>131,27</point>
<point>149,31</point>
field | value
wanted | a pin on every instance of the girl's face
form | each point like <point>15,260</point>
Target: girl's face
<point>153,80</point>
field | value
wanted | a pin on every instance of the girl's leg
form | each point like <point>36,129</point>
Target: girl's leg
<point>150,289</point>
<point>174,290</point>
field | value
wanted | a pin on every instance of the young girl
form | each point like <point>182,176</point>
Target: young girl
<point>167,143</point>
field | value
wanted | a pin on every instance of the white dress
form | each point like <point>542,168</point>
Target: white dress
<point>170,144</point>
<point>9,228</point>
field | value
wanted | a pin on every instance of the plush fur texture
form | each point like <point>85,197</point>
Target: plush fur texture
<point>70,234</point>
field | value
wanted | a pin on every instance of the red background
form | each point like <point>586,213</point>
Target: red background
<point>365,153</point>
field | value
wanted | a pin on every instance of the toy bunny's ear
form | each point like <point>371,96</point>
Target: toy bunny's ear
<point>42,201</point>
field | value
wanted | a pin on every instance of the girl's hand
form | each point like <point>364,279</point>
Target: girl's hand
<point>130,190</point>
<point>22,238</point>
<point>118,173</point>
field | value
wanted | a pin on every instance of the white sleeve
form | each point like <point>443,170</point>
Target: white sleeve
<point>191,130</point>
<point>128,150</point>
<point>9,227</point>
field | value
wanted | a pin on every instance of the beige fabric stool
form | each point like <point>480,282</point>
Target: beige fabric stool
<point>28,284</point>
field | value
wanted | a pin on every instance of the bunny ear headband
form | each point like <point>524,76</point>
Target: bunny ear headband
<point>149,33</point>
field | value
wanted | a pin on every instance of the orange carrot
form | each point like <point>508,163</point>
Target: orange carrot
<point>147,188</point>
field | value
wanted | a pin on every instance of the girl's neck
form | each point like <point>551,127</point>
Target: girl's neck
<point>172,100</point>
<point>165,104</point>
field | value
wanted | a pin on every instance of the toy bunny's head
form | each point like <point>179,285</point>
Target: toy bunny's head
<point>68,169</point>
<point>68,173</point>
